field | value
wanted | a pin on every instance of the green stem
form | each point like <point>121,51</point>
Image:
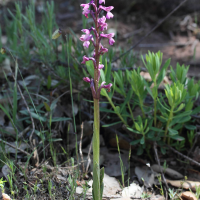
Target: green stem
<point>168,121</point>
<point>113,106</point>
<point>141,106</point>
<point>155,102</point>
<point>96,146</point>
<point>155,111</point>
<point>130,110</point>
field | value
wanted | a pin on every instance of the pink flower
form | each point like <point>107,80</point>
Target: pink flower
<point>85,59</point>
<point>111,41</point>
<point>86,10</point>
<point>107,9</point>
<point>104,86</point>
<point>101,1</point>
<point>101,66</point>
<point>103,50</point>
<point>109,15</point>
<point>102,23</point>
<point>85,38</point>
<point>110,37</point>
<point>86,79</point>
<point>86,31</point>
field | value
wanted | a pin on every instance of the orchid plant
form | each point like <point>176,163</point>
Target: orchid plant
<point>94,10</point>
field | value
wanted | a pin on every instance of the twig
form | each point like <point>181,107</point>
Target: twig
<point>166,44</point>
<point>80,148</point>
<point>25,152</point>
<point>153,29</point>
<point>21,134</point>
<point>163,177</point>
<point>186,157</point>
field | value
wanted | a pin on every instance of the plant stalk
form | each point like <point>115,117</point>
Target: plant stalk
<point>96,143</point>
<point>169,120</point>
<point>96,146</point>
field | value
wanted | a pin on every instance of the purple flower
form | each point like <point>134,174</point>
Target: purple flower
<point>109,15</point>
<point>103,50</point>
<point>86,31</point>
<point>85,59</point>
<point>95,38</point>
<point>107,9</point>
<point>111,41</point>
<point>86,10</point>
<point>102,23</point>
<point>85,38</point>
<point>104,86</point>
<point>101,66</point>
<point>86,79</point>
<point>110,37</point>
<point>101,1</point>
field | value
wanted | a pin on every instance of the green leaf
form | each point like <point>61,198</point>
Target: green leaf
<point>177,137</point>
<point>178,126</point>
<point>182,114</point>
<point>55,139</point>
<point>142,141</point>
<point>172,132</point>
<point>47,107</point>
<point>107,125</point>
<point>157,129</point>
<point>180,107</point>
<point>163,72</point>
<point>59,119</point>
<point>36,116</point>
<point>140,150</point>
<point>49,82</point>
<point>137,127</point>
<point>179,120</point>
<point>90,68</point>
<point>184,119</point>
<point>108,70</point>
<point>104,92</point>
<point>53,104</point>
<point>190,127</point>
<point>135,142</point>
<point>106,110</point>
<point>132,130</point>
<point>163,150</point>
<point>148,88</point>
<point>195,111</point>
<point>102,75</point>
